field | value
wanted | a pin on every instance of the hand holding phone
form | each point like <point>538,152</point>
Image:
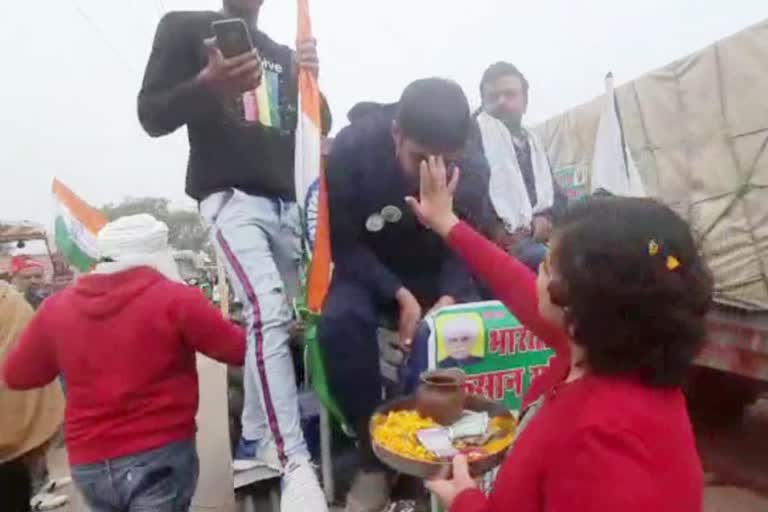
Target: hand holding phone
<point>236,71</point>
<point>232,37</point>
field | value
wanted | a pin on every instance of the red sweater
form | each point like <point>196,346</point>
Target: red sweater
<point>125,344</point>
<point>597,444</point>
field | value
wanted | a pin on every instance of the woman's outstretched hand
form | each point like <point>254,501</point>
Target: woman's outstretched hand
<point>434,208</point>
<point>447,490</point>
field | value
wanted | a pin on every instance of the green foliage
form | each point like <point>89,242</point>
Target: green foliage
<point>185,230</point>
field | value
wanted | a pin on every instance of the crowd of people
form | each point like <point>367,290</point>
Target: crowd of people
<point>27,275</point>
<point>430,205</point>
<point>31,421</point>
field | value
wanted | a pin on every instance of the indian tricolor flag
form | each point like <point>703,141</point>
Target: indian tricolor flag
<point>77,224</point>
<point>309,176</point>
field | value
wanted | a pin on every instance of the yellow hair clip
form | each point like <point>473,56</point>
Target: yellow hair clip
<point>672,263</point>
<point>653,248</point>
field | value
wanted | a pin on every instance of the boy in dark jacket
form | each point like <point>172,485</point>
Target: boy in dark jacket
<point>386,262</point>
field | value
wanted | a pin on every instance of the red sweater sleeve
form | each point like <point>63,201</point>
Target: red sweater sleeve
<point>32,362</point>
<point>510,281</point>
<point>207,331</point>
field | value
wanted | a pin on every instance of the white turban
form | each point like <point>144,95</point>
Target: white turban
<point>136,241</point>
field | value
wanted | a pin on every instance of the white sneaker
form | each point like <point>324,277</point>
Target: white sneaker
<point>259,454</point>
<point>47,501</point>
<point>267,455</point>
<point>241,465</point>
<point>51,486</point>
<point>300,489</point>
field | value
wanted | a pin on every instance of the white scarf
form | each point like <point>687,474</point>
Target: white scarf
<point>507,187</point>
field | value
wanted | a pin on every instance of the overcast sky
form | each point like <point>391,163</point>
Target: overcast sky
<point>72,68</point>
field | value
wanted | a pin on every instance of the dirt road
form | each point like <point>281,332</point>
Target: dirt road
<point>735,458</point>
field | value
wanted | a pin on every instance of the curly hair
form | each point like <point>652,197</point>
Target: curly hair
<point>634,287</point>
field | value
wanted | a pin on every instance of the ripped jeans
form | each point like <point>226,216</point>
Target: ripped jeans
<point>259,241</point>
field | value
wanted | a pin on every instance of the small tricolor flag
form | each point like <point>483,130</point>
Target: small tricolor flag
<point>77,224</point>
<point>309,174</point>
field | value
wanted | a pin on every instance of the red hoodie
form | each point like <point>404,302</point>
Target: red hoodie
<point>125,344</point>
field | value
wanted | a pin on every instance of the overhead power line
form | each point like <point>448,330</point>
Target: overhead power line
<point>103,36</point>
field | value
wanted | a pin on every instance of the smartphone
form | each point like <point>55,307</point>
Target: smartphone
<point>232,37</point>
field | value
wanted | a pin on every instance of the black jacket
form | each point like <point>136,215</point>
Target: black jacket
<point>363,178</point>
<point>226,151</point>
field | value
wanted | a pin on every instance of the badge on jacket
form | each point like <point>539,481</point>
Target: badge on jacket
<point>375,223</point>
<point>391,214</point>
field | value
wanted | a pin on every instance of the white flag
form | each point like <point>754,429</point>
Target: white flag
<point>613,168</point>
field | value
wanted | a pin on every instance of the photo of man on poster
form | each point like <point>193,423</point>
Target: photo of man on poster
<point>460,340</point>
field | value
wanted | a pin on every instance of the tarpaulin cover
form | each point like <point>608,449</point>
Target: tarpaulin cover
<point>20,231</point>
<point>698,130</point>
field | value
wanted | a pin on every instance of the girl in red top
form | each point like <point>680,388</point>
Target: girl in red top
<point>622,298</point>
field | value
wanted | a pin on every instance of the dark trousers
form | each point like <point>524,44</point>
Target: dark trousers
<point>530,252</point>
<point>15,486</point>
<point>347,335</point>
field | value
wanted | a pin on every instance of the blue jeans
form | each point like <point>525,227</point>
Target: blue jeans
<point>160,480</point>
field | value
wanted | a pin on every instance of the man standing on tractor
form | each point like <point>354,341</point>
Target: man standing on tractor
<point>241,113</point>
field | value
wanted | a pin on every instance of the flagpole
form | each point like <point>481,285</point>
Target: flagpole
<point>223,288</point>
